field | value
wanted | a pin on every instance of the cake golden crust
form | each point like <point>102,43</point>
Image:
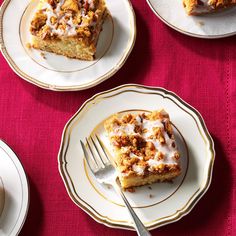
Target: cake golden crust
<point>198,7</point>
<point>68,27</point>
<point>144,148</point>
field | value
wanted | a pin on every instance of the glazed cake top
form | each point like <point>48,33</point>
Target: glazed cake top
<point>204,6</point>
<point>144,143</point>
<point>67,18</point>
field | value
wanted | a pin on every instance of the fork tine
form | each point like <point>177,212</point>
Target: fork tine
<point>87,157</point>
<point>102,147</point>
<point>92,153</point>
<point>94,144</point>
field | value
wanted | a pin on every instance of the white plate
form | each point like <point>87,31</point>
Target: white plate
<point>165,202</point>
<point>16,191</point>
<point>216,25</point>
<point>58,72</point>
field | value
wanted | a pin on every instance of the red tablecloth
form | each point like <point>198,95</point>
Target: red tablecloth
<point>202,72</point>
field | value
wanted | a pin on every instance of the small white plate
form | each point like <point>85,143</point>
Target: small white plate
<point>164,202</point>
<point>58,72</point>
<point>15,192</point>
<point>215,25</point>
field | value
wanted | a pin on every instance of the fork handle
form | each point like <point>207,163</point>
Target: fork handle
<point>140,228</point>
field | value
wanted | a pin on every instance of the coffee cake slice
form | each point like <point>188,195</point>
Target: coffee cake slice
<point>198,7</point>
<point>144,148</point>
<point>68,27</point>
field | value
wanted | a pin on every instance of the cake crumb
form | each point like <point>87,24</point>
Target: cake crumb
<point>150,187</point>
<point>108,186</point>
<point>43,55</point>
<point>150,196</point>
<point>28,45</point>
<point>131,190</point>
<point>201,23</point>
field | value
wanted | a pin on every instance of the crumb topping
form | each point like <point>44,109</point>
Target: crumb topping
<point>145,143</point>
<point>204,6</point>
<point>59,18</point>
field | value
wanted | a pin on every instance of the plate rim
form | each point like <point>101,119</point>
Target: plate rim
<point>15,159</point>
<point>186,32</point>
<point>105,220</point>
<point>60,88</point>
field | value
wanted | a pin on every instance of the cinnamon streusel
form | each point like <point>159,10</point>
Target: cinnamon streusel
<point>68,27</point>
<point>145,149</point>
<point>198,7</point>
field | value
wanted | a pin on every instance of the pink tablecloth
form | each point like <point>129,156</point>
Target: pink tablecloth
<point>202,72</point>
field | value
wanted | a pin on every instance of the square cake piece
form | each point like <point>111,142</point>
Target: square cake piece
<point>68,27</point>
<point>144,148</point>
<point>198,7</point>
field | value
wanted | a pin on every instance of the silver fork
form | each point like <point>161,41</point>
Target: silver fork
<point>102,168</point>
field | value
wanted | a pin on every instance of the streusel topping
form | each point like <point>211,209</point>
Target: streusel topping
<point>145,142</point>
<point>204,6</point>
<point>58,18</point>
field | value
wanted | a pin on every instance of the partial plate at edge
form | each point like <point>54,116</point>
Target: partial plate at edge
<point>214,25</point>
<point>168,202</point>
<point>54,72</point>
<point>16,192</point>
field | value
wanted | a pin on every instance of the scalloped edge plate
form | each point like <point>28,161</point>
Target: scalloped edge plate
<point>56,72</point>
<point>16,191</point>
<point>97,201</point>
<point>210,26</point>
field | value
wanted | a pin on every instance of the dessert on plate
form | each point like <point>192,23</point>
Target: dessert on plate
<point>144,148</point>
<point>198,7</point>
<point>68,27</point>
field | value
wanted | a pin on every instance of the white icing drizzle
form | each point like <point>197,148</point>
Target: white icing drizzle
<point>138,169</point>
<point>84,22</point>
<point>127,129</point>
<point>66,18</point>
<point>83,13</point>
<point>139,120</point>
<point>149,125</point>
<point>70,27</point>
<point>153,163</point>
<point>132,155</point>
<point>49,13</point>
<point>206,7</point>
<point>167,149</point>
<point>91,3</point>
<point>124,149</point>
<point>123,174</point>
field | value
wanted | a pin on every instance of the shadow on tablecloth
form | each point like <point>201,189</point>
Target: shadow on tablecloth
<point>134,70</point>
<point>35,217</point>
<point>208,211</point>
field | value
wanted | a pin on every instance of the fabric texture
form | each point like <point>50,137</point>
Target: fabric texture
<point>202,72</point>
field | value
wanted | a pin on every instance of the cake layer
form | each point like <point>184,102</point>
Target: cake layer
<point>135,181</point>
<point>198,7</point>
<point>69,47</point>
<point>144,148</point>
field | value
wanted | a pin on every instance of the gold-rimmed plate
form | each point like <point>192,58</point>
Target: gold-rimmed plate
<point>55,72</point>
<point>160,204</point>
<point>14,192</point>
<point>216,25</point>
